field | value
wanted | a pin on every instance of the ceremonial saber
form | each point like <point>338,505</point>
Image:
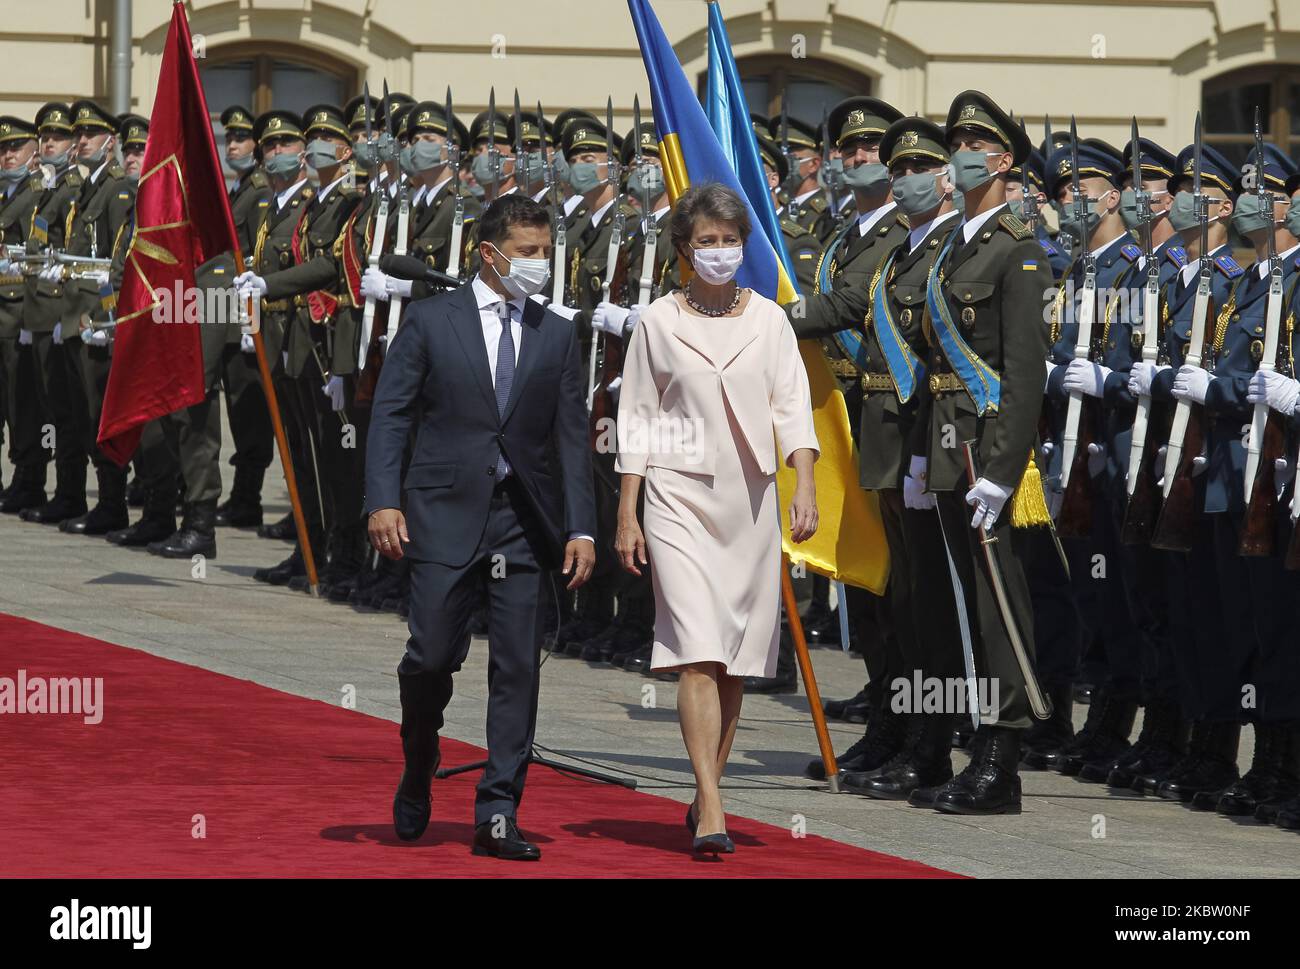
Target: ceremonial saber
<point>1038,700</point>
<point>963,627</point>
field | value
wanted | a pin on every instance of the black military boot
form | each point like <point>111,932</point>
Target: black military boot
<point>825,631</point>
<point>1287,785</point>
<point>110,512</point>
<point>1160,744</point>
<point>137,492</point>
<point>786,679</point>
<point>282,573</point>
<point>1269,764</point>
<point>284,529</point>
<point>836,709</point>
<point>421,720</point>
<point>69,499</point>
<point>1214,767</point>
<point>196,536</point>
<point>927,762</point>
<point>1045,738</point>
<point>243,509</point>
<point>379,583</point>
<point>885,737</point>
<point>1109,742</point>
<point>1066,754</point>
<point>157,523</point>
<point>990,784</point>
<point>26,490</point>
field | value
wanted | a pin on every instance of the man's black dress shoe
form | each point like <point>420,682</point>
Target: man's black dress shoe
<point>510,846</point>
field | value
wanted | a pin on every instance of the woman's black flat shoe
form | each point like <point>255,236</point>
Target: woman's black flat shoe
<point>714,844</point>
<point>691,823</point>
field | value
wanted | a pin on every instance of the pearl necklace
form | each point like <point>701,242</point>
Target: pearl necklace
<point>690,301</point>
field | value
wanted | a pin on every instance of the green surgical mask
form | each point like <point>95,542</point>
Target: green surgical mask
<point>867,178</point>
<point>969,170</point>
<point>917,193</point>
<point>426,155</point>
<point>584,177</point>
<point>284,165</point>
<point>366,153</point>
<point>1292,219</point>
<point>1250,216</point>
<point>320,154</point>
<point>1128,210</point>
<point>241,166</point>
<point>831,175</point>
<point>649,179</point>
<point>959,201</point>
<point>1182,214</point>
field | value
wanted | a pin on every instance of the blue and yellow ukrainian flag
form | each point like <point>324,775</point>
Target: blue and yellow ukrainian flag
<point>695,147</point>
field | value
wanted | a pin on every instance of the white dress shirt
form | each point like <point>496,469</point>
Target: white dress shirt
<point>867,220</point>
<point>918,233</point>
<point>1282,257</point>
<point>287,194</point>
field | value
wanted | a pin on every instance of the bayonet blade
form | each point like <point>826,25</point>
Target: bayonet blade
<point>612,166</point>
<point>388,110</point>
<point>519,141</point>
<point>365,110</point>
<point>494,155</point>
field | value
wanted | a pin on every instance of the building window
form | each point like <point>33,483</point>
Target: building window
<point>810,85</point>
<point>1228,110</point>
<point>265,76</point>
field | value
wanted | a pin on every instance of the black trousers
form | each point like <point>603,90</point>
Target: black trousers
<point>246,410</point>
<point>505,566</point>
<point>24,414</point>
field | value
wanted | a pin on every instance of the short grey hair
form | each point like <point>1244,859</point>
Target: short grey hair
<point>710,200</point>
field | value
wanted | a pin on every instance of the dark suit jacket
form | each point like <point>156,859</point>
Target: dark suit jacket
<point>436,376</point>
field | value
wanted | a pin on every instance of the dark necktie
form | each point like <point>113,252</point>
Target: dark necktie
<point>505,376</point>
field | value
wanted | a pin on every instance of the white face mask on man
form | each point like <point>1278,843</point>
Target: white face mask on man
<point>526,276</point>
<point>717,266</point>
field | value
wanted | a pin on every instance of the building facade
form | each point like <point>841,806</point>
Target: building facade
<point>1103,61</point>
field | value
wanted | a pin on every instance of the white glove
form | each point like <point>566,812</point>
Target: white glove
<point>374,284</point>
<point>94,338</point>
<point>246,344</point>
<point>57,335</point>
<point>614,386</point>
<point>1085,377</point>
<point>99,278</point>
<point>401,288</point>
<point>1096,459</point>
<point>24,338</point>
<point>915,496</point>
<point>1141,377</point>
<point>1277,390</point>
<point>5,267</point>
<point>633,317</point>
<point>1198,465</point>
<point>987,497</point>
<point>51,274</point>
<point>250,285</point>
<point>610,318</point>
<point>1192,383</point>
<point>333,389</point>
<point>569,313</point>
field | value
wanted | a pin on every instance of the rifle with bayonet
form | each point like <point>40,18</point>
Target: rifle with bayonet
<point>403,225</point>
<point>792,204</point>
<point>454,253</point>
<point>376,246</point>
<point>1076,483</point>
<point>1266,441</point>
<point>829,177</point>
<point>1029,213</point>
<point>647,283</point>
<point>613,253</point>
<point>1140,484</point>
<point>1187,433</point>
<point>560,262</point>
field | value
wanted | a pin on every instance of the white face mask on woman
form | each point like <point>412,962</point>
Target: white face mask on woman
<point>718,266</point>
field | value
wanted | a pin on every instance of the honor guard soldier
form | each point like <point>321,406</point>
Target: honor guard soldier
<point>1157,169</point>
<point>252,199</point>
<point>833,313</point>
<point>361,111</point>
<point>59,387</point>
<point>1101,381</point>
<point>320,396</point>
<point>135,133</point>
<point>101,221</point>
<point>20,192</point>
<point>1252,585</point>
<point>279,137</point>
<point>488,131</point>
<point>985,379</point>
<point>1203,665</point>
<point>800,244</point>
<point>1028,179</point>
<point>806,197</point>
<point>894,346</point>
<point>529,173</point>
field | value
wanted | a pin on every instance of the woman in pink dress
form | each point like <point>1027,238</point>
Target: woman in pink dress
<point>713,394</point>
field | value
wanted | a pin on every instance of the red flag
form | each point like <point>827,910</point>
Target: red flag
<point>182,220</point>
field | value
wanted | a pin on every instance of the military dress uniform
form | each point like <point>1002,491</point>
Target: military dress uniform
<point>985,367</point>
<point>101,223</point>
<point>21,403</point>
<point>251,201</point>
<point>833,312</point>
<point>62,396</point>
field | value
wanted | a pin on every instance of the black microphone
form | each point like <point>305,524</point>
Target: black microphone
<point>408,267</point>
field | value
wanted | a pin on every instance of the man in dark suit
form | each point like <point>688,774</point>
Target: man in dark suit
<point>498,492</point>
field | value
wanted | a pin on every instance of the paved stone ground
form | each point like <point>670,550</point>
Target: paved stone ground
<point>231,624</point>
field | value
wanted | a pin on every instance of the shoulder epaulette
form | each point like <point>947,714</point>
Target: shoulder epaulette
<point>1130,251</point>
<point>259,179</point>
<point>1048,248</point>
<point>1014,226</point>
<point>308,192</point>
<point>1228,266</point>
<point>36,182</point>
<point>116,171</point>
<point>73,178</point>
<point>631,210</point>
<point>817,203</point>
<point>902,219</point>
<point>1177,255</point>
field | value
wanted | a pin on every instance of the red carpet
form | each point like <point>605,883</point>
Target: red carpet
<point>295,787</point>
